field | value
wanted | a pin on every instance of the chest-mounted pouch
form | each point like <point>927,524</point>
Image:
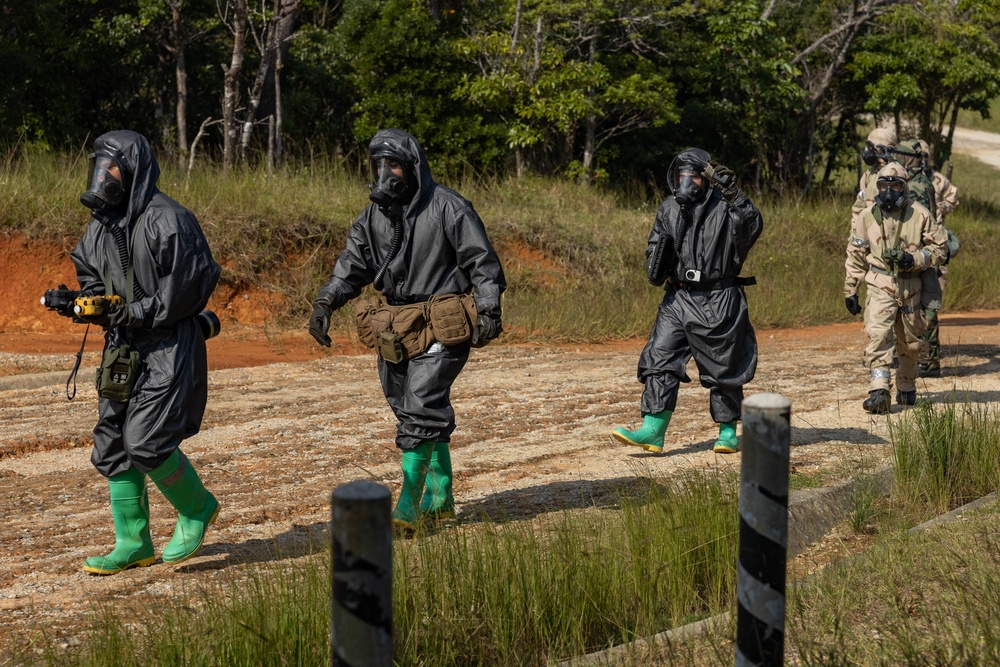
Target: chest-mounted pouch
<point>118,372</point>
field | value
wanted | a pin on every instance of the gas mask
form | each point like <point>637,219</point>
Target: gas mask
<point>387,188</point>
<point>690,185</point>
<point>871,154</point>
<point>891,193</point>
<point>105,192</point>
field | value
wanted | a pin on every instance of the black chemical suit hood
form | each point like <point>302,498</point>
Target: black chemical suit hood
<point>141,170</point>
<point>413,154</point>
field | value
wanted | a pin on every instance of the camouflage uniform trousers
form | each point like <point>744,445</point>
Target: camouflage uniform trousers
<point>893,323</point>
<point>930,341</point>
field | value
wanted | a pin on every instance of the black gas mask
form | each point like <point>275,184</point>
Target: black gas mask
<point>891,193</point>
<point>105,192</point>
<point>871,154</point>
<point>387,187</point>
<point>690,185</point>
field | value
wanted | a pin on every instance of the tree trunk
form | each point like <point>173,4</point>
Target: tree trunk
<point>231,84</point>
<point>180,74</point>
<point>278,66</point>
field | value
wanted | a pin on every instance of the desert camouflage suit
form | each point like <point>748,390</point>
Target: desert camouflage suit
<point>892,304</point>
<point>880,136</point>
<point>946,196</point>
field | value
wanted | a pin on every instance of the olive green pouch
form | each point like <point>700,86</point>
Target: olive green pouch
<point>118,373</point>
<point>390,347</point>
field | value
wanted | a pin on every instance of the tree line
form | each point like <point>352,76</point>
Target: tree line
<point>598,90</point>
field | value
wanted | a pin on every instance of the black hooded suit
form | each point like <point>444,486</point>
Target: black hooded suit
<point>704,311</point>
<point>445,250</point>
<point>174,275</point>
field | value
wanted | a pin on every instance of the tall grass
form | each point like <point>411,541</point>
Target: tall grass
<point>946,455</point>
<point>573,255</point>
<point>509,593</point>
<point>914,601</point>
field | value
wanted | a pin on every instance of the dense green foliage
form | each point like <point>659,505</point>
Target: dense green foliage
<point>593,89</point>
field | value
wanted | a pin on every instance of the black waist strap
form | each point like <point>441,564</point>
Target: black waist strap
<point>711,285</point>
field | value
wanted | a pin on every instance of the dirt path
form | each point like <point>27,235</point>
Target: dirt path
<point>287,422</point>
<point>532,437</point>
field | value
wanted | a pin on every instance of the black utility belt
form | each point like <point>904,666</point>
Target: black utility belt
<point>712,285</point>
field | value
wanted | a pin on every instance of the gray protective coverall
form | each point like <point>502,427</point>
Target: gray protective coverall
<point>445,250</point>
<point>174,276</point>
<point>704,316</point>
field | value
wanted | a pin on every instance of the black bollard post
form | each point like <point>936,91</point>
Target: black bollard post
<point>760,590</point>
<point>361,536</point>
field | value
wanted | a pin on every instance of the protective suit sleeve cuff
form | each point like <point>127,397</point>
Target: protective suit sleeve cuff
<point>329,298</point>
<point>135,316</point>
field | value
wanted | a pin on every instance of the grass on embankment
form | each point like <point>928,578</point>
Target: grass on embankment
<point>573,255</point>
<point>484,593</point>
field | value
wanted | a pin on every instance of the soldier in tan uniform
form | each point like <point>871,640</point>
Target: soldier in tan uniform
<point>891,243</point>
<point>876,154</point>
<point>946,197</point>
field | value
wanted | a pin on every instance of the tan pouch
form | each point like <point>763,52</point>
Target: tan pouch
<point>449,316</point>
<point>411,325</point>
<point>363,311</point>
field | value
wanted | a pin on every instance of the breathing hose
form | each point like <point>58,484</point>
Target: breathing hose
<point>394,245</point>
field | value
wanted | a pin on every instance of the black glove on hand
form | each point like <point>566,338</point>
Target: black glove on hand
<point>723,178</point>
<point>906,262</point>
<point>488,326</point>
<point>319,324</point>
<point>853,307</point>
<point>114,315</point>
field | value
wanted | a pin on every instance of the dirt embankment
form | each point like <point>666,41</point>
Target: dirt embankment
<point>288,421</point>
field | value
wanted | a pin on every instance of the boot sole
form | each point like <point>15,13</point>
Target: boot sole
<point>198,548</point>
<point>618,437</point>
<point>145,562</point>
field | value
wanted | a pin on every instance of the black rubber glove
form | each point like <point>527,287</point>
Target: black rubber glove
<point>319,324</point>
<point>723,178</point>
<point>853,307</point>
<point>906,262</point>
<point>488,326</point>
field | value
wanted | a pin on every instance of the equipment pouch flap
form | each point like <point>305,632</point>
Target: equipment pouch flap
<point>119,371</point>
<point>410,324</point>
<point>449,318</point>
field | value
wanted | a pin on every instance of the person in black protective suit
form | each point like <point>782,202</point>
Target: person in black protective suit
<point>416,241</point>
<point>699,242</point>
<point>148,249</point>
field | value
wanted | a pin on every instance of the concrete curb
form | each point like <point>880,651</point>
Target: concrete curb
<point>36,380</point>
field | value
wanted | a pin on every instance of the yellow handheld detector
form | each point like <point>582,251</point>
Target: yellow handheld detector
<point>89,306</point>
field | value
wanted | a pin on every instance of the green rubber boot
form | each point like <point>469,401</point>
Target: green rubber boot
<point>727,442</point>
<point>415,464</point>
<point>649,436</point>
<point>196,507</point>
<point>130,509</point>
<point>438,501</point>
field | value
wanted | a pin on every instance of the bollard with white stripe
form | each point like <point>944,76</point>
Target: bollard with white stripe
<point>361,536</point>
<point>760,591</point>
